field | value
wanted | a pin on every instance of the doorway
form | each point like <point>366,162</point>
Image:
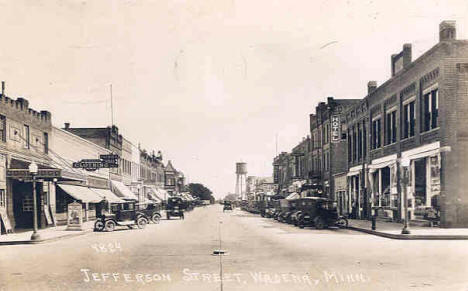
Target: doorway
<point>420,182</point>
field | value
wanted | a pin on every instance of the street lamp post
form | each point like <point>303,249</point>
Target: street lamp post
<point>33,168</point>
<point>405,164</point>
<point>140,196</point>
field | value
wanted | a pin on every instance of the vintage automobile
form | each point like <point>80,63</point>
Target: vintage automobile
<point>151,209</point>
<point>175,207</point>
<point>227,205</point>
<point>318,212</point>
<point>288,208</point>
<point>120,214</point>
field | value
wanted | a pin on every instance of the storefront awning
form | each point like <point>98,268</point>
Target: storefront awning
<point>381,165</point>
<point>123,190</point>
<point>84,194</point>
<point>107,194</point>
<point>154,193</point>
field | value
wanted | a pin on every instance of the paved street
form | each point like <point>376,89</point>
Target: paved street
<point>262,255</point>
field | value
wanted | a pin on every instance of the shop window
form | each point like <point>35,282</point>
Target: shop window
<point>2,128</point>
<point>376,133</point>
<point>385,172</point>
<point>409,119</point>
<point>431,109</point>
<point>2,198</point>
<point>390,125</point>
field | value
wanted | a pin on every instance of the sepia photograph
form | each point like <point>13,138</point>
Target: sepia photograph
<point>220,145</point>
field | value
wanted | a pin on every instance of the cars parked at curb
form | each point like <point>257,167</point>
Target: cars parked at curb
<point>121,214</point>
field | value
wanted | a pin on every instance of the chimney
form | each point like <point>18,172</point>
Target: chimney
<point>371,86</point>
<point>67,125</point>
<point>406,54</point>
<point>3,88</point>
<point>402,59</point>
<point>447,30</point>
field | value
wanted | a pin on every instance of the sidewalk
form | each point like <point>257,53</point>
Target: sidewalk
<point>393,230</point>
<point>47,235</point>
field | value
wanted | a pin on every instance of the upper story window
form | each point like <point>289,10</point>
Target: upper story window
<point>26,135</point>
<point>431,109</point>
<point>324,134</point>
<point>46,143</point>
<point>364,140</point>
<point>376,133</point>
<point>359,142</point>
<point>409,119</point>
<point>2,128</point>
<point>390,127</point>
<point>350,148</point>
<point>354,141</point>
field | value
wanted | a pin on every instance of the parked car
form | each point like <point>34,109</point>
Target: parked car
<point>120,214</point>
<point>152,210</point>
<point>318,212</point>
<point>175,207</point>
<point>227,205</point>
<point>288,208</point>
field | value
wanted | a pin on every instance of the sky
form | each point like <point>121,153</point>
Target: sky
<point>208,82</point>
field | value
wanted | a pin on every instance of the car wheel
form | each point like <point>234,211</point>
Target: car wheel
<point>342,222</point>
<point>156,218</point>
<point>141,222</point>
<point>301,223</point>
<point>319,223</point>
<point>110,225</point>
<point>99,225</point>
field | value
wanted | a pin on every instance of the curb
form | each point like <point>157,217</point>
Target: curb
<point>409,236</point>
<point>31,242</point>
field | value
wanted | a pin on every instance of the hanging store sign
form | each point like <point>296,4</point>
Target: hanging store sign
<point>26,175</point>
<point>94,164</point>
<point>335,128</point>
<point>111,158</point>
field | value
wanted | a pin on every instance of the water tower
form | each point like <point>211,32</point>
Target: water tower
<point>241,175</point>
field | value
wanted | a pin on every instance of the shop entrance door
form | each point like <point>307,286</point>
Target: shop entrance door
<point>420,182</point>
<point>22,204</point>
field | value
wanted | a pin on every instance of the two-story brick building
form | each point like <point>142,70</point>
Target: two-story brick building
<point>24,138</point>
<point>109,138</point>
<point>418,115</point>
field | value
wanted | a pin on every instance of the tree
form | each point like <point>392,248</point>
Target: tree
<point>200,191</point>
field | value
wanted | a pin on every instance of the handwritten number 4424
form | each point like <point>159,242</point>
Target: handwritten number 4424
<point>107,247</point>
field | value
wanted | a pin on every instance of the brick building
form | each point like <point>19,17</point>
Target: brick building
<point>282,172</point>
<point>328,142</point>
<point>418,115</point>
<point>110,139</point>
<point>24,138</point>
